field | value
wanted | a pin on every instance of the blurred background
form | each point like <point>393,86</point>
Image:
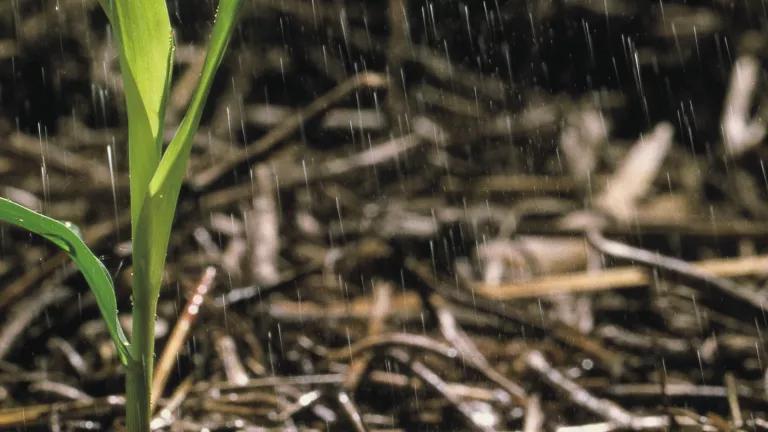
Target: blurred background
<point>405,215</point>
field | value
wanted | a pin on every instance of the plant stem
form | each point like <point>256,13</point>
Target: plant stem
<point>136,410</point>
<point>139,374</point>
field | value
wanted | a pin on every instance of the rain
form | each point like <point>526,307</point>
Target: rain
<point>402,215</point>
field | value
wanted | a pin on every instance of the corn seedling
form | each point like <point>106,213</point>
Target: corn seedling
<point>143,31</point>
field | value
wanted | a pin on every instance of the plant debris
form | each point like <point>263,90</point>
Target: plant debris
<point>406,215</point>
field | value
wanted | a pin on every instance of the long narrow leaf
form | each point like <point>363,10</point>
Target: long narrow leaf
<point>96,275</point>
<point>160,202</point>
<point>143,31</point>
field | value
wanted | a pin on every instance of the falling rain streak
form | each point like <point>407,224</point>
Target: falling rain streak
<point>404,215</point>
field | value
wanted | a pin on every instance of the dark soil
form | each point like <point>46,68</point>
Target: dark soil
<point>406,215</point>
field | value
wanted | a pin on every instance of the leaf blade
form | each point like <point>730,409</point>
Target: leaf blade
<point>144,35</point>
<point>93,270</point>
<point>160,202</point>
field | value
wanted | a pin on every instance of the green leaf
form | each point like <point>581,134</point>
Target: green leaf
<point>150,245</point>
<point>107,6</point>
<point>143,31</point>
<point>67,238</point>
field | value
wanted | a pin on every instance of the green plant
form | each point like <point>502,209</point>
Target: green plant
<point>143,32</point>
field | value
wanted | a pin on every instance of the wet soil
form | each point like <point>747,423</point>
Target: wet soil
<point>406,216</point>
